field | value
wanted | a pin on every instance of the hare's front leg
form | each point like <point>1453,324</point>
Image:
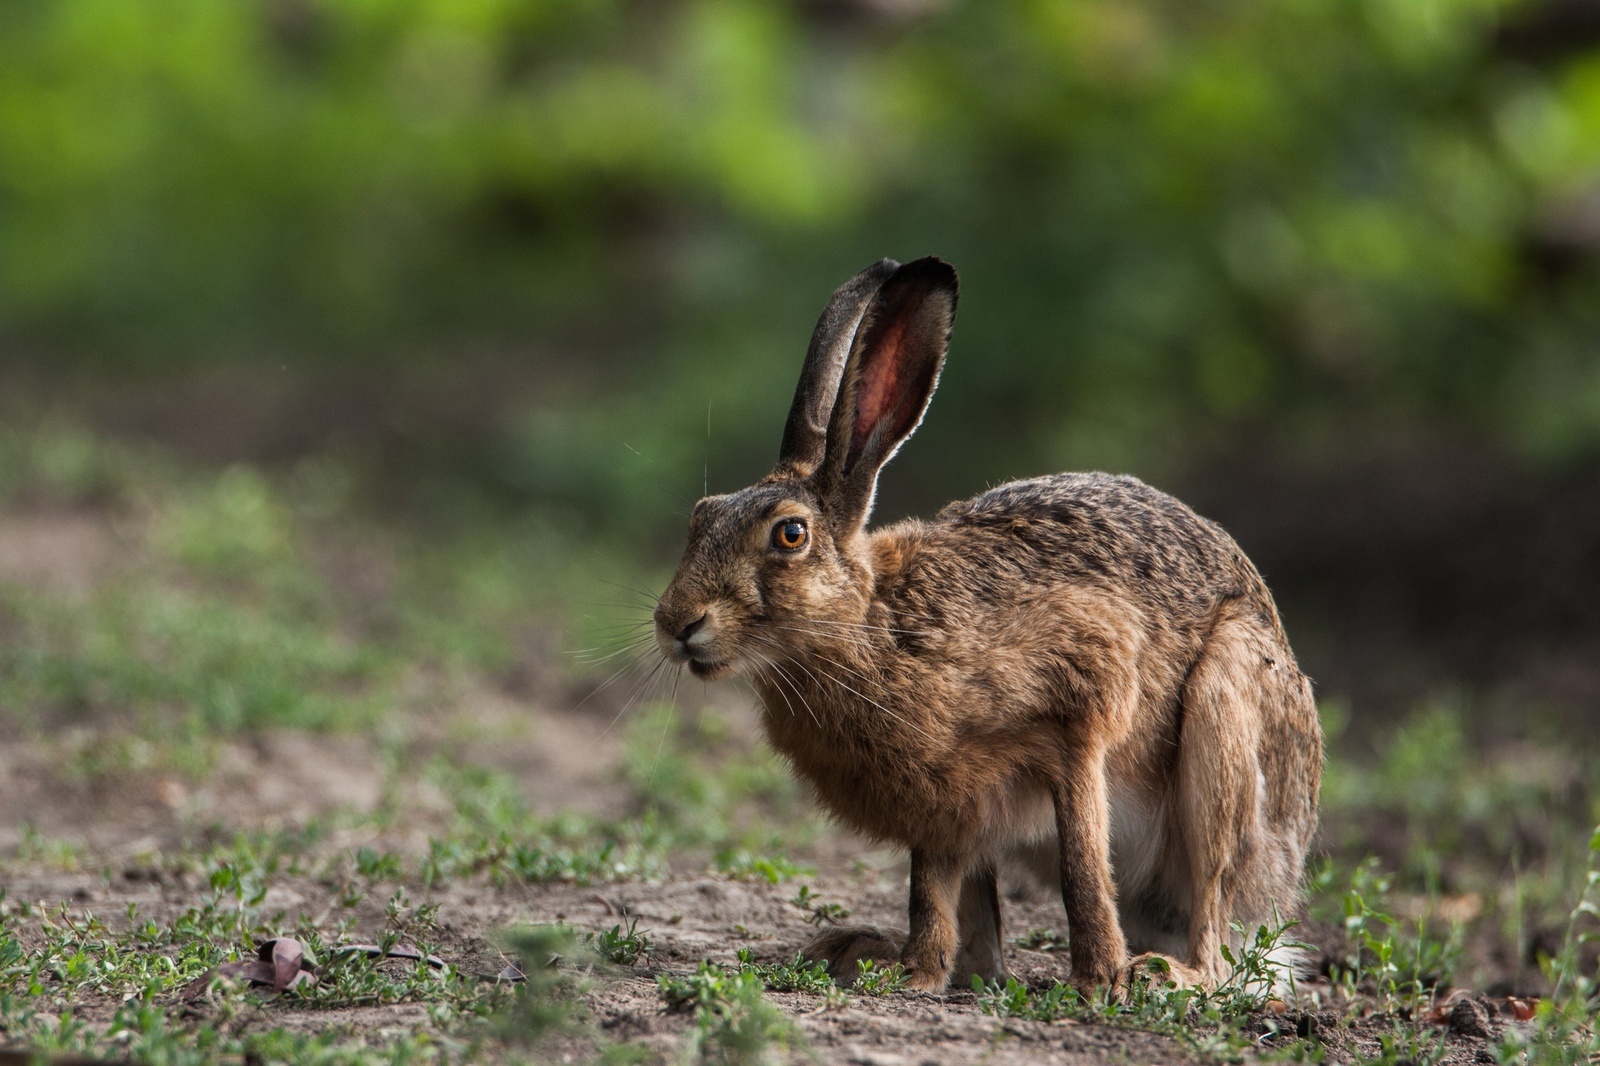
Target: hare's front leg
<point>931,948</point>
<point>1083,828</point>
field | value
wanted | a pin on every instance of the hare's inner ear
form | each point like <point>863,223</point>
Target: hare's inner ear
<point>805,434</point>
<point>888,380</point>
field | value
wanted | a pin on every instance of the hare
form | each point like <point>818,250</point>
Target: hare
<point>1075,671</point>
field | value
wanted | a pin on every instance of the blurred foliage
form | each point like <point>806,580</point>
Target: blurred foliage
<point>1177,222</point>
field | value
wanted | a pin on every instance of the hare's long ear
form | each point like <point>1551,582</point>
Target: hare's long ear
<point>888,380</point>
<point>805,434</point>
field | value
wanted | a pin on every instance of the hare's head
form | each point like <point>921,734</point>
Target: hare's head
<point>782,565</point>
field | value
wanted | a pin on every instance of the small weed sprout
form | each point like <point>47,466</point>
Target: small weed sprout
<point>1402,971</point>
<point>1042,940</point>
<point>375,867</point>
<point>879,981</point>
<point>772,869</point>
<point>1261,970</point>
<point>797,975</point>
<point>818,913</point>
<point>547,1000</point>
<point>1563,1030</point>
<point>619,946</point>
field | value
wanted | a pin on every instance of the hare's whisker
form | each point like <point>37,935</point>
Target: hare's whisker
<point>774,668</point>
<point>637,590</point>
<point>666,725</point>
<point>631,646</point>
<point>632,665</point>
<point>837,681</point>
<point>872,701</point>
<point>624,626</point>
<point>863,625</point>
<point>858,642</point>
<point>628,704</point>
<point>795,687</point>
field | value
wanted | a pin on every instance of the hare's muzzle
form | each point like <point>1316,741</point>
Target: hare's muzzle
<point>689,641</point>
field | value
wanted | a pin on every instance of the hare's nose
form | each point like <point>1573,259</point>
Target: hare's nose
<point>691,629</point>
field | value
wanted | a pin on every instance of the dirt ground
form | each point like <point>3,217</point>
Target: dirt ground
<point>690,916</point>
<point>564,750</point>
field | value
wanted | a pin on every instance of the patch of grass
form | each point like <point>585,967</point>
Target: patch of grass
<point>624,947</point>
<point>495,833</point>
<point>1449,817</point>
<point>710,790</point>
<point>1401,963</point>
<point>1563,1030</point>
<point>1405,1046</point>
<point>35,849</point>
<point>796,975</point>
<point>141,1031</point>
<point>143,963</point>
<point>161,658</point>
<point>773,869</point>
<point>242,600</point>
<point>734,1021</point>
<point>875,980</point>
<point>1211,1022</point>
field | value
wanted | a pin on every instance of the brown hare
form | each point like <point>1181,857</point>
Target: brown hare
<point>1075,671</point>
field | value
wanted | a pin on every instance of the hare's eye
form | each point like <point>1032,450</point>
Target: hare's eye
<point>789,535</point>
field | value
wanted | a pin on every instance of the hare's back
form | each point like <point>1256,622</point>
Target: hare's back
<point>1107,529</point>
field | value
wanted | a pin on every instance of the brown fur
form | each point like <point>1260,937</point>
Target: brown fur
<point>1076,671</point>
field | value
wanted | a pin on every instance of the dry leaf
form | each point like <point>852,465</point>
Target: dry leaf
<point>279,963</point>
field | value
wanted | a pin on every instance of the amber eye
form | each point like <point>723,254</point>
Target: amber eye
<point>789,535</point>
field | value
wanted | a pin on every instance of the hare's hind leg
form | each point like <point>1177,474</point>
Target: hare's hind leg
<point>1219,789</point>
<point>982,937</point>
<point>843,950</point>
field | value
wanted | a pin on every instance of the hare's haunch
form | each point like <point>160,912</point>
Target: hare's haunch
<point>1077,672</point>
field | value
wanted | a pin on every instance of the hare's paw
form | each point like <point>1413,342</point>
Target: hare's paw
<point>843,950</point>
<point>1161,971</point>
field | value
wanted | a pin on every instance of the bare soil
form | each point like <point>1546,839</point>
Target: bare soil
<point>565,758</point>
<point>691,916</point>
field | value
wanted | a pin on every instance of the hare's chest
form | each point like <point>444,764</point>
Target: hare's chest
<point>894,777</point>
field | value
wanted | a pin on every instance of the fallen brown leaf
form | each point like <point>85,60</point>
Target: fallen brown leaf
<point>280,963</point>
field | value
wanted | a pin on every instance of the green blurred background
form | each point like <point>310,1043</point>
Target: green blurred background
<point>1325,269</point>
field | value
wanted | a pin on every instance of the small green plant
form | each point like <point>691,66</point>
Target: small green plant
<point>546,1000</point>
<point>734,1022</point>
<point>1563,1032</point>
<point>621,946</point>
<point>1016,1000</point>
<point>1380,958</point>
<point>378,867</point>
<point>772,869</point>
<point>874,980</point>
<point>1042,940</point>
<point>1404,1046</point>
<point>797,975</point>
<point>1259,971</point>
<point>818,913</point>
